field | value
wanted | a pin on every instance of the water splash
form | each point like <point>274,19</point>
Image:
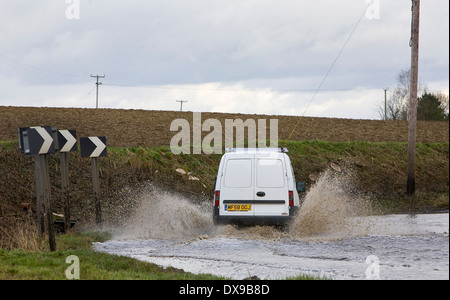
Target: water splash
<point>166,215</point>
<point>330,207</point>
<point>328,211</point>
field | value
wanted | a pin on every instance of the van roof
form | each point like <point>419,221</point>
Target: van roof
<point>256,150</point>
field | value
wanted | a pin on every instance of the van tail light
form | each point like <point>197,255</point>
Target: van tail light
<point>216,198</point>
<point>291,198</point>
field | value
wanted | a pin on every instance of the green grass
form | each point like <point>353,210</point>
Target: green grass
<point>307,277</point>
<point>8,144</point>
<point>25,265</point>
<point>21,264</point>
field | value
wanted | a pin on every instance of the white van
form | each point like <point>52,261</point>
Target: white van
<point>256,186</point>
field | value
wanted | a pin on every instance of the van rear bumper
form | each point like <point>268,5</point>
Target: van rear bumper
<point>253,220</point>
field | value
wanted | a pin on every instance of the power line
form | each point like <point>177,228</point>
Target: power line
<point>331,68</point>
<point>336,59</point>
<point>255,90</point>
<point>14,64</point>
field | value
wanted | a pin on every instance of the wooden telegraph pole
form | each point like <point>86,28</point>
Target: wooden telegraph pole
<point>412,113</point>
<point>385,103</point>
<point>97,83</point>
<point>181,103</point>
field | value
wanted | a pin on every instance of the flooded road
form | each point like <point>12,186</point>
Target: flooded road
<point>392,247</point>
<point>334,235</point>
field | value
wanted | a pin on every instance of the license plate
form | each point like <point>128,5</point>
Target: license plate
<point>238,207</point>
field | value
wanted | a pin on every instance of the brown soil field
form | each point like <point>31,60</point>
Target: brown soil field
<point>132,128</point>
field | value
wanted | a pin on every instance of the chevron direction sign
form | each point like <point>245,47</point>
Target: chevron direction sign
<point>93,146</point>
<point>67,140</point>
<point>37,140</point>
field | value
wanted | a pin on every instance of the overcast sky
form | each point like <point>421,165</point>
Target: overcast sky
<point>240,56</point>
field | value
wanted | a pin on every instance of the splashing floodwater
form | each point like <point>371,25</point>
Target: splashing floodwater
<point>331,236</point>
<point>329,208</point>
<point>327,211</point>
<point>166,215</point>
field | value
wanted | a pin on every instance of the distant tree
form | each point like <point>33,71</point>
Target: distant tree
<point>443,98</point>
<point>397,103</point>
<point>429,108</point>
<point>395,109</point>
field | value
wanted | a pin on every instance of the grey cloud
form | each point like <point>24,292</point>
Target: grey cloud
<point>277,45</point>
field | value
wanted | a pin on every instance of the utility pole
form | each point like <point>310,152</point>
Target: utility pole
<point>98,83</point>
<point>385,103</point>
<point>181,106</point>
<point>412,113</point>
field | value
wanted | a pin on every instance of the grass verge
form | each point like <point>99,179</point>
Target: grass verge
<point>19,264</point>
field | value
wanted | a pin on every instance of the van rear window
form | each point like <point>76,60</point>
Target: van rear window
<point>238,173</point>
<point>270,173</point>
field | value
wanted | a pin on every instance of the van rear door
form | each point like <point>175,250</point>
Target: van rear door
<point>237,192</point>
<point>271,190</point>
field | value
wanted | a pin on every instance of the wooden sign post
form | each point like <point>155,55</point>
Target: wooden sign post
<point>96,187</point>
<point>38,142</point>
<point>95,147</point>
<point>67,142</point>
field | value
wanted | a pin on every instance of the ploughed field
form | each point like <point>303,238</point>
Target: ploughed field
<point>133,128</point>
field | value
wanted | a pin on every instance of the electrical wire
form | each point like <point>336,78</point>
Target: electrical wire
<point>17,65</point>
<point>330,69</point>
<point>228,89</point>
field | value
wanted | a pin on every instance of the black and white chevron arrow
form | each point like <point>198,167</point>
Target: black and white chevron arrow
<point>38,140</point>
<point>67,140</point>
<point>93,146</point>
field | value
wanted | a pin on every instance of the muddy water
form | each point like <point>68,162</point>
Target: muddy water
<point>334,236</point>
